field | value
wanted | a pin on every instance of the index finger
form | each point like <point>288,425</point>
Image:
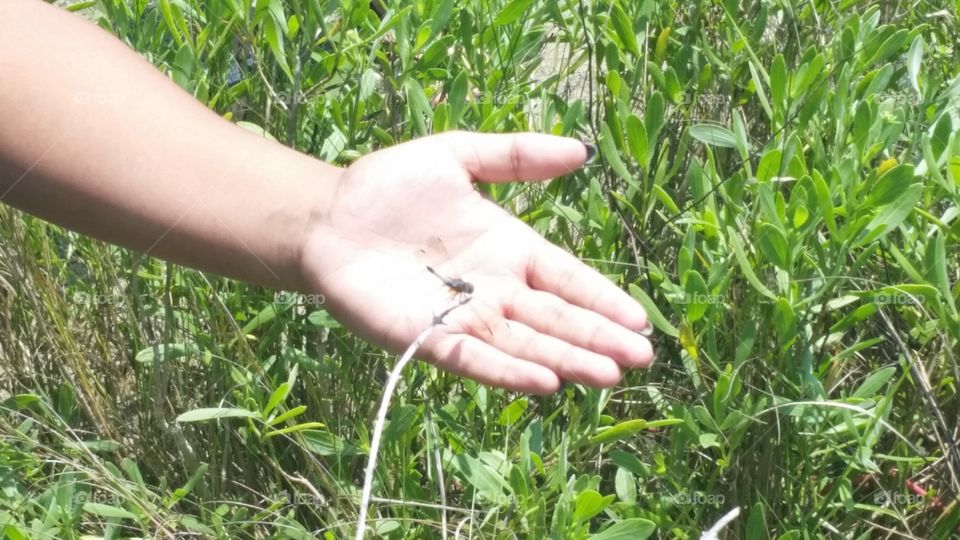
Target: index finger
<point>507,157</point>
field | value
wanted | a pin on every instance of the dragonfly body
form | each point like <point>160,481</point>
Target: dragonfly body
<point>461,289</point>
<point>454,284</point>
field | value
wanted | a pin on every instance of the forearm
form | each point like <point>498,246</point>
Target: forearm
<point>97,140</point>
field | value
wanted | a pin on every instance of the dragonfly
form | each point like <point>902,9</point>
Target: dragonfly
<point>456,285</point>
<point>461,289</point>
<point>435,252</point>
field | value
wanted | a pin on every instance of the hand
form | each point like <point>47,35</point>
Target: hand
<point>538,315</point>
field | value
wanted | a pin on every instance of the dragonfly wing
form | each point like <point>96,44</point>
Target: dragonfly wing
<point>432,253</point>
<point>435,248</point>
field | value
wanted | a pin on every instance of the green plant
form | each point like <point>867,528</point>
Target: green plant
<point>777,183</point>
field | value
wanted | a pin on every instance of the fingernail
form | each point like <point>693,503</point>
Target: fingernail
<point>591,153</point>
<point>647,330</point>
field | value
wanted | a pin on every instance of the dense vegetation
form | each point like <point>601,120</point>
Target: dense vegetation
<point>777,183</point>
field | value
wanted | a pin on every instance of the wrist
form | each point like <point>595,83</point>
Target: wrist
<point>314,228</point>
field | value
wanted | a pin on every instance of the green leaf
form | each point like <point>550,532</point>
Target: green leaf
<point>628,529</point>
<point>709,440</point>
<point>653,118</point>
<point>940,138</point>
<point>891,186</point>
<point>590,503</point>
<point>620,431</point>
<point>566,212</point>
<point>810,72</point>
<point>11,531</point>
<point>756,523</point>
<point>745,265</point>
<point>778,82</point>
<point>626,486</point>
<point>257,130</point>
<point>637,141</point>
<point>193,524</point>
<point>573,118</point>
<point>800,216</point>
<point>954,168</point>
<point>168,18</point>
<point>892,215</point>
<point>761,94</point>
<point>420,109</point>
<point>935,267</point>
<point>773,244</point>
<point>914,59</point>
<point>611,155</point>
<point>494,122</point>
<point>784,320</point>
<point>292,413</point>
<point>740,136</point>
<point>274,9</point>
<point>624,29</point>
<point>323,319</point>
<point>892,45</point>
<point>101,445</point>
<point>665,199</point>
<point>856,316</point>
<point>108,511</point>
<point>293,27</point>
<point>402,419</point>
<point>276,398</point>
<point>183,67</point>
<point>654,315</point>
<point>629,462</point>
<point>264,316</point>
<point>457,96</point>
<point>324,443</point>
<point>80,6</point>
<point>197,475</point>
<point>436,54</point>
<point>441,17</point>
<point>394,17</point>
<point>630,428</point>
<point>273,32</point>
<point>872,384</point>
<point>905,293</point>
<point>512,412</point>
<point>20,401</point>
<point>368,83</point>
<point>512,12</point>
<point>769,165</point>
<point>688,340</point>
<point>862,120</point>
<point>696,296</point>
<point>213,413</point>
<point>488,482</point>
<point>714,135</point>
<point>295,428</point>
<point>824,202</point>
<point>166,351</point>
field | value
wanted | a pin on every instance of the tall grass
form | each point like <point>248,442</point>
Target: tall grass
<point>777,184</point>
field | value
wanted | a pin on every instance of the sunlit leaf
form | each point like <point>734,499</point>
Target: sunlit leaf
<point>214,413</point>
<point>628,529</point>
<point>714,135</point>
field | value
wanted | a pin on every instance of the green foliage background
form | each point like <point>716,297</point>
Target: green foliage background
<point>777,183</point>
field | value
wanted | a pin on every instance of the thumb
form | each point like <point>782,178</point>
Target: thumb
<point>508,157</point>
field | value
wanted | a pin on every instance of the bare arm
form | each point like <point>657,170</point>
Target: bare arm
<point>97,140</point>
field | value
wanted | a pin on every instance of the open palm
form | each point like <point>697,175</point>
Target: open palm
<point>537,315</point>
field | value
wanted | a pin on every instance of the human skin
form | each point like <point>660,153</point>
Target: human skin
<point>97,140</point>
